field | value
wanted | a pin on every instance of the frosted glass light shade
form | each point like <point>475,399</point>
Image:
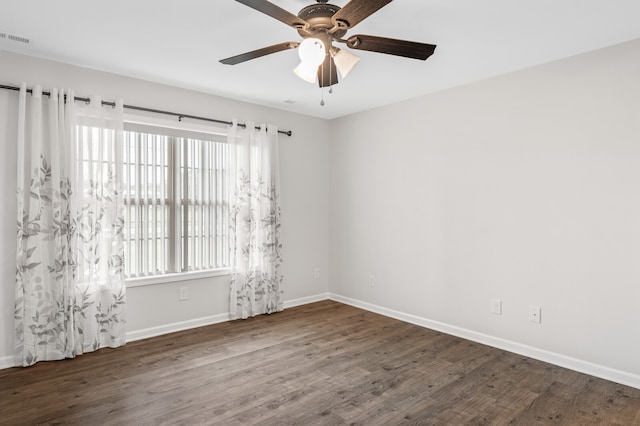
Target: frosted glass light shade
<point>344,61</point>
<point>307,72</point>
<point>311,51</point>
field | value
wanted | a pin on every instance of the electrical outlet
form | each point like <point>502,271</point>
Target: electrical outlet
<point>184,294</point>
<point>316,273</point>
<point>372,281</point>
<point>534,314</point>
<point>496,306</point>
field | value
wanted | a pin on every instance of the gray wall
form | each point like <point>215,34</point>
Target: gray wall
<point>523,188</point>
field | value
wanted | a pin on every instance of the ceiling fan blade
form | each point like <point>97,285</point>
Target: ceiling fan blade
<point>327,73</point>
<point>391,46</point>
<point>357,11</point>
<point>260,52</point>
<point>276,12</point>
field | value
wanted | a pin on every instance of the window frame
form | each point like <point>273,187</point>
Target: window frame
<point>182,130</point>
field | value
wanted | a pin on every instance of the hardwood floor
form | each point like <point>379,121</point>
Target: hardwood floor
<point>318,364</point>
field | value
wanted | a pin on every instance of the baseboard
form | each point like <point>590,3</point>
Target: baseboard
<point>7,362</point>
<point>603,372</point>
<point>209,320</point>
<point>306,300</point>
<point>146,333</point>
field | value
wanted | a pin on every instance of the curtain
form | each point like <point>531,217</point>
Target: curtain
<point>70,293</point>
<point>254,222</point>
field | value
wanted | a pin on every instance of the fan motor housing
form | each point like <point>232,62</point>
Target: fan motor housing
<point>318,16</point>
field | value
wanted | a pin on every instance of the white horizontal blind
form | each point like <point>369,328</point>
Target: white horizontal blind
<point>176,204</point>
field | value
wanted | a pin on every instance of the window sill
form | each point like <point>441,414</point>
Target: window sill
<point>177,277</point>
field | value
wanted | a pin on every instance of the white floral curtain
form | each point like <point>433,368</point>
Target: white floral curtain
<point>70,292</point>
<point>254,236</point>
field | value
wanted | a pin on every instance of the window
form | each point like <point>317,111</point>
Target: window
<point>176,201</point>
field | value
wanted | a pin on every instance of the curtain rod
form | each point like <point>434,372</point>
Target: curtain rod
<point>157,111</point>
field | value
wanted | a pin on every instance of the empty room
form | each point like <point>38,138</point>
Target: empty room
<point>354,212</point>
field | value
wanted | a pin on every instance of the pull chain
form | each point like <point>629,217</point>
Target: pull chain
<point>330,83</point>
<point>322,84</point>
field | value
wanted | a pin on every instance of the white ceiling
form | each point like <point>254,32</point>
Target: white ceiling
<point>180,43</point>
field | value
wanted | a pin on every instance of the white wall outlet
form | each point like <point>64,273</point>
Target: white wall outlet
<point>372,281</point>
<point>534,314</point>
<point>496,306</point>
<point>316,273</point>
<point>184,294</point>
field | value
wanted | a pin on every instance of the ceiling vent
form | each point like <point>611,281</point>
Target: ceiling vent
<point>12,37</point>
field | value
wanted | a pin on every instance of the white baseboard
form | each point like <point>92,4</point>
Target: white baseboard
<point>146,333</point>
<point>209,320</point>
<point>7,362</point>
<point>306,300</point>
<point>603,372</point>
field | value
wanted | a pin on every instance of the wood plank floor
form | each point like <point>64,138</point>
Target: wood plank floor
<point>320,364</point>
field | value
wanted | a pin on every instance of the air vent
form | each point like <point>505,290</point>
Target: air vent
<point>7,36</point>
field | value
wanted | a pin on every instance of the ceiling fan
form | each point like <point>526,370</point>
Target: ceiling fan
<point>322,24</point>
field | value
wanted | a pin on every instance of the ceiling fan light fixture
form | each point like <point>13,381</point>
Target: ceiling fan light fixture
<point>344,61</point>
<point>320,25</point>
